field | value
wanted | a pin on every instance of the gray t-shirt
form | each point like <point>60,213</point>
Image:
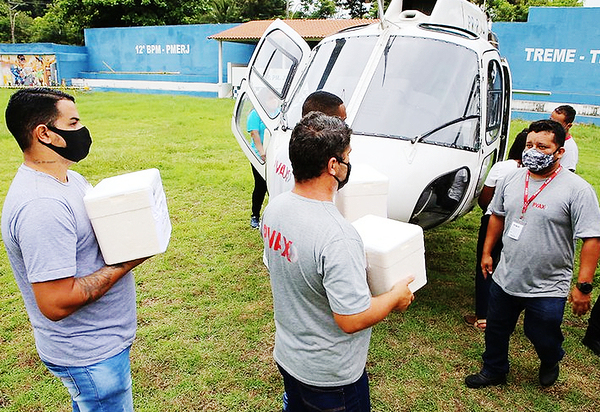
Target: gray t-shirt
<point>317,266</point>
<point>48,236</point>
<point>540,262</point>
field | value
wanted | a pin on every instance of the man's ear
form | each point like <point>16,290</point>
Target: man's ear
<point>41,132</point>
<point>331,168</point>
<point>560,152</point>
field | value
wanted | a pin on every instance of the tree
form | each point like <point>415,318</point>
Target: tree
<point>66,19</point>
<point>518,10</point>
<point>33,8</point>
<point>356,8</point>
<point>317,9</point>
<point>222,11</point>
<point>261,9</point>
<point>48,29</point>
<point>13,11</point>
<point>374,10</point>
<point>63,21</point>
<point>75,15</point>
<point>15,21</point>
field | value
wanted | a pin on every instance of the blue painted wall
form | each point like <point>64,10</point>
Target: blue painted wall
<point>556,50</point>
<point>161,53</point>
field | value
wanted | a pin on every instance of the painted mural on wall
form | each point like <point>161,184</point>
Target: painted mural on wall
<point>28,70</point>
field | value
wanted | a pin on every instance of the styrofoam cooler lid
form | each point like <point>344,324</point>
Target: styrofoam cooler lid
<point>126,192</point>
<point>364,181</point>
<point>387,240</point>
<point>125,183</point>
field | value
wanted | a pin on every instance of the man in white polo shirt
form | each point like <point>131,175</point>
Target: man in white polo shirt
<point>565,115</point>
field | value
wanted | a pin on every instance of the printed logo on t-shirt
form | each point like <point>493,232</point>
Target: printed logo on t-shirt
<point>278,243</point>
<point>283,170</point>
<point>538,205</point>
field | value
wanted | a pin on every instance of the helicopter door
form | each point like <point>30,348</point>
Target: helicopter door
<point>507,100</point>
<point>495,115</point>
<point>280,54</point>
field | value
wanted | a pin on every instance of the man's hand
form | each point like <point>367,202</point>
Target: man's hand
<point>581,303</point>
<point>131,264</point>
<point>487,265</point>
<point>404,295</point>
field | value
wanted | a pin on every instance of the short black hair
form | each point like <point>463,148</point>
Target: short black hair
<point>27,108</point>
<point>549,125</point>
<point>322,101</point>
<point>518,146</point>
<point>568,111</point>
<point>315,140</point>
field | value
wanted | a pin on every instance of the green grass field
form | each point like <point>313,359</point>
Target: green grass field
<point>206,332</point>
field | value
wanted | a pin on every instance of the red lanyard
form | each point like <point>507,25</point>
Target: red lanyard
<point>526,201</point>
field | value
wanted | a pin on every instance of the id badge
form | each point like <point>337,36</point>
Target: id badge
<point>514,232</point>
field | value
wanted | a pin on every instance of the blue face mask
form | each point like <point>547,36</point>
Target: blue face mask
<point>535,160</point>
<point>78,143</point>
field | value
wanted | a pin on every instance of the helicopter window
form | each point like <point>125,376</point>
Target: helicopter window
<point>249,125</point>
<point>273,70</point>
<point>494,101</point>
<point>442,28</point>
<point>441,198</point>
<point>424,90</point>
<point>336,67</point>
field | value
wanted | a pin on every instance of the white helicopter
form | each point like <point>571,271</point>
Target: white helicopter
<point>427,96</point>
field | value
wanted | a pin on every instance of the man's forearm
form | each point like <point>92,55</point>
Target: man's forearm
<point>380,307</point>
<point>588,261</point>
<point>493,234</point>
<point>59,298</point>
<point>95,285</point>
<point>399,297</point>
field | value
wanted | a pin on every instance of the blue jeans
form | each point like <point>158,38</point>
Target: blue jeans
<point>104,386</point>
<point>302,397</point>
<point>543,317</point>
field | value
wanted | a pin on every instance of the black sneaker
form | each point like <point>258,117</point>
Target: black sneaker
<point>254,222</point>
<point>592,344</point>
<point>481,380</point>
<point>549,374</point>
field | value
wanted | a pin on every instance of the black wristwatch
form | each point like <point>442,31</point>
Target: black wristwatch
<point>585,287</point>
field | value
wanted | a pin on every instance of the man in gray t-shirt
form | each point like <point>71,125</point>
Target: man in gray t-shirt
<point>82,311</point>
<point>323,307</point>
<point>539,210</point>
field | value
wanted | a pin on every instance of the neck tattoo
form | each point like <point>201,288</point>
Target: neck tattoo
<point>37,162</point>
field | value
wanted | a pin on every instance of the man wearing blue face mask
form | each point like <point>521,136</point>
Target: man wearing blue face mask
<point>82,311</point>
<point>539,211</point>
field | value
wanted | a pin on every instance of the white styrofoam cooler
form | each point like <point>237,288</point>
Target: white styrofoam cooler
<point>129,215</point>
<point>364,194</point>
<point>394,251</point>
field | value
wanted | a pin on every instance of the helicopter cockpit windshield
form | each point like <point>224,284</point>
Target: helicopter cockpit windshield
<point>336,67</point>
<point>423,88</point>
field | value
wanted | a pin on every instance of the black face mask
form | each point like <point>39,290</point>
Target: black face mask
<point>342,183</point>
<point>78,143</point>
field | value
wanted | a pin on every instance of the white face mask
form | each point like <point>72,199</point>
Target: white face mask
<point>535,160</point>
